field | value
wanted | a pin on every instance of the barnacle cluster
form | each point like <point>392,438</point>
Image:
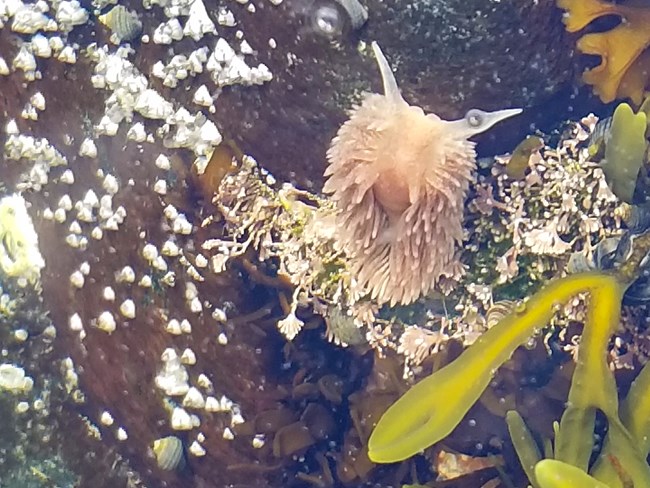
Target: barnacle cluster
<point>624,70</point>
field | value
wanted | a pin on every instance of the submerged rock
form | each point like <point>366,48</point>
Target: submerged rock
<point>449,56</point>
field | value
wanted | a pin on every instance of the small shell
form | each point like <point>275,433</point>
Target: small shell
<point>333,18</point>
<point>357,13</point>
<point>169,453</point>
<point>601,257</point>
<point>123,23</point>
<point>497,311</point>
<point>637,217</point>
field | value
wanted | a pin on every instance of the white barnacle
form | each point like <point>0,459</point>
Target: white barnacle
<point>77,279</point>
<point>106,418</point>
<point>170,249</point>
<point>127,308</point>
<point>145,281</point>
<point>174,327</point>
<point>110,184</point>
<point>67,177</point>
<point>160,187</point>
<point>193,399</point>
<point>149,252</point>
<point>125,275</point>
<point>108,294</point>
<point>75,323</point>
<point>188,357</point>
<point>196,449</point>
<point>180,419</point>
<point>106,322</point>
<point>162,162</point>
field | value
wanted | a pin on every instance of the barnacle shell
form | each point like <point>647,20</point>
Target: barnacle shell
<point>124,24</point>
<point>169,453</point>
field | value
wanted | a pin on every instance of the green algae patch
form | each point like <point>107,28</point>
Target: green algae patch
<point>525,445</point>
<point>625,151</point>
<point>431,409</point>
<point>551,473</point>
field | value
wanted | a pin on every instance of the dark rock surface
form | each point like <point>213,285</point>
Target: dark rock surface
<point>449,56</point>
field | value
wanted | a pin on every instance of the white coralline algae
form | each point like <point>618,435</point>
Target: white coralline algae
<point>19,254</point>
<point>13,378</point>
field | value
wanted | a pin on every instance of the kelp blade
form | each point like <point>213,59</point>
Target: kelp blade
<point>431,409</point>
<point>556,474</point>
<point>525,446</point>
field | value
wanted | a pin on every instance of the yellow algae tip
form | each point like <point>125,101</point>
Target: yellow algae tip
<point>551,473</point>
<point>19,254</point>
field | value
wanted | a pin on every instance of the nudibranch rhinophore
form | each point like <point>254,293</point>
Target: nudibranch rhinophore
<point>399,178</point>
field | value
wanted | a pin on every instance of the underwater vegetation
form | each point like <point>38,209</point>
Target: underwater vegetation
<point>625,151</point>
<point>418,419</point>
<point>168,338</point>
<point>624,70</point>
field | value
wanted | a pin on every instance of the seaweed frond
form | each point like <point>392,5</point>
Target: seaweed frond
<point>625,57</point>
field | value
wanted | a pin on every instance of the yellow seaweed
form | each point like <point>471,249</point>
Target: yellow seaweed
<point>431,409</point>
<point>625,57</point>
<point>525,445</point>
<point>593,385</point>
<point>635,410</point>
<point>551,473</point>
<point>625,151</point>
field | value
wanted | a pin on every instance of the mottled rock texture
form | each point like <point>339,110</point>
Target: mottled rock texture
<point>449,56</point>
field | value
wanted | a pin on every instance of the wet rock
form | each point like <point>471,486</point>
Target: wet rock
<point>449,56</point>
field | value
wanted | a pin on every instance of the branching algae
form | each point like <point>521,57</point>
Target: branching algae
<point>431,409</point>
